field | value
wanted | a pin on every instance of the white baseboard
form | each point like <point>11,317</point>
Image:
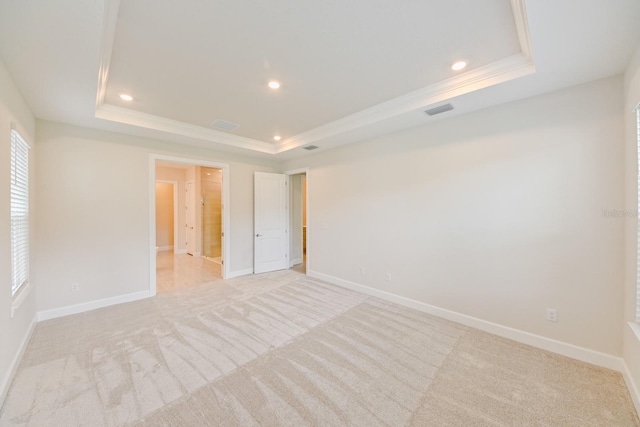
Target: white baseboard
<point>554,346</point>
<point>632,386</point>
<point>13,368</point>
<point>180,252</point>
<point>239,273</point>
<point>165,248</point>
<point>295,262</point>
<point>91,305</point>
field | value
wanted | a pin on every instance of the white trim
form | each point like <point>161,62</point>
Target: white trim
<point>559,347</point>
<point>109,23</point>
<point>91,305</point>
<point>635,327</point>
<point>152,227</point>
<point>492,74</point>
<point>165,248</point>
<point>519,10</point>
<point>20,297</point>
<point>13,367</point>
<point>632,386</point>
<point>180,252</point>
<point>297,171</point>
<point>501,71</point>
<point>295,262</point>
<point>637,287</point>
<point>245,272</point>
<point>497,72</point>
<point>149,121</point>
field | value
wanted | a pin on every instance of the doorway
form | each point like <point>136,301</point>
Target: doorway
<point>281,214</point>
<point>298,220</point>
<point>196,233</point>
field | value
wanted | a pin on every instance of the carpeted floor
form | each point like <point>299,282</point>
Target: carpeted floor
<point>281,349</point>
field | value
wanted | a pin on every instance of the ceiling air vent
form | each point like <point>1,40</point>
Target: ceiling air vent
<point>439,109</point>
<point>310,147</point>
<point>224,125</point>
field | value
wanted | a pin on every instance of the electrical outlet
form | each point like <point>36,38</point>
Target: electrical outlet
<point>552,315</point>
<point>362,271</point>
<point>75,286</point>
<point>388,277</point>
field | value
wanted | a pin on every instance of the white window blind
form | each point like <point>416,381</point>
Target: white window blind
<point>19,212</point>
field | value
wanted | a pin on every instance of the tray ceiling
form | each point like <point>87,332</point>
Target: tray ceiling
<point>342,65</point>
<point>350,72</point>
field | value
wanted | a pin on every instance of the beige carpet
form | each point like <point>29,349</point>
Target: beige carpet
<point>281,349</point>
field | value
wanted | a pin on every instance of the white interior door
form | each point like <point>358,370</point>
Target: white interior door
<point>271,222</point>
<point>190,205</point>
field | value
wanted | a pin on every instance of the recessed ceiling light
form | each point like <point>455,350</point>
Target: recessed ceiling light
<point>457,66</point>
<point>126,97</point>
<point>274,84</point>
<point>277,137</point>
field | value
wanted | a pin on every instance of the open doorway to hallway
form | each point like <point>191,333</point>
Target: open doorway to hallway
<point>188,225</point>
<point>298,221</point>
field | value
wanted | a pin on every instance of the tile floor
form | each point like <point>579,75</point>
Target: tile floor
<point>184,271</point>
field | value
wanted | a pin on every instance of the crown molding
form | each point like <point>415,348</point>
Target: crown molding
<point>150,121</point>
<point>501,71</point>
<point>495,73</point>
<point>109,22</point>
<point>519,11</point>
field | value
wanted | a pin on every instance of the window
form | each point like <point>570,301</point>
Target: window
<point>19,212</point>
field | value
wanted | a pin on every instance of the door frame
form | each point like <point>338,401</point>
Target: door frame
<point>307,172</point>
<point>175,210</point>
<point>226,211</point>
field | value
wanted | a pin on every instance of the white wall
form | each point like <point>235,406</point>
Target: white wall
<point>177,175</point>
<point>13,331</point>
<point>165,235</point>
<point>631,341</point>
<point>93,214</point>
<point>496,214</point>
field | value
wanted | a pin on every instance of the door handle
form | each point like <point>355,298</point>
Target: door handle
<point>258,235</point>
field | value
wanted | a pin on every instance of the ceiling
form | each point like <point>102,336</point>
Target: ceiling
<point>348,70</point>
